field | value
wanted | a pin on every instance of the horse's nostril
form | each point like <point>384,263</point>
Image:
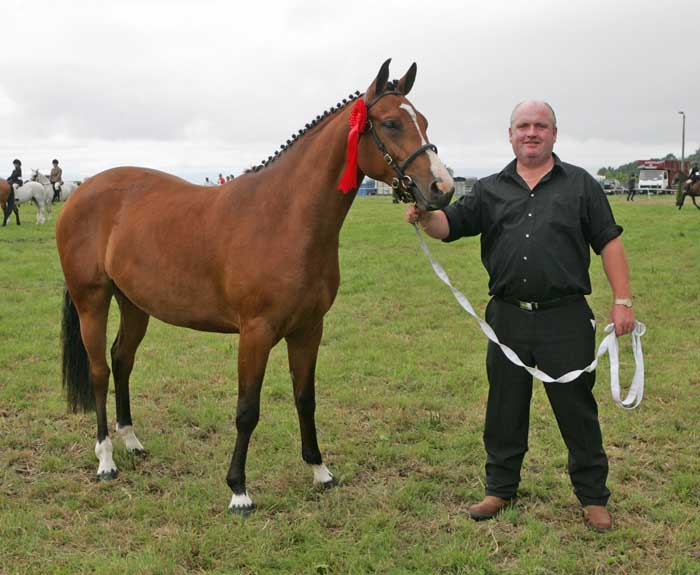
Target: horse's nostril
<point>434,186</point>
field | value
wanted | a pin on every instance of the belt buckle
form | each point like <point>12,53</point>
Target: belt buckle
<point>526,305</point>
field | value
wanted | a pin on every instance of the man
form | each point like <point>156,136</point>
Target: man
<point>15,180</point>
<point>537,219</point>
<point>694,175</point>
<point>56,179</point>
<point>631,188</point>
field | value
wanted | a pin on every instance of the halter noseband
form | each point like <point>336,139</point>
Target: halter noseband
<point>403,187</point>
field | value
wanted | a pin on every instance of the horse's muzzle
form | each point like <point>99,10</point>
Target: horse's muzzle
<point>436,197</point>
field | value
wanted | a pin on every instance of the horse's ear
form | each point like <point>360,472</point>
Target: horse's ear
<point>379,83</point>
<point>406,83</point>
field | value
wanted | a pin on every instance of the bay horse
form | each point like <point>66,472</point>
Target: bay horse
<point>692,190</point>
<point>4,197</point>
<point>260,260</point>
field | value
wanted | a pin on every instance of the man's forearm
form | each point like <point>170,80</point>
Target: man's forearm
<point>615,266</point>
<point>435,224</point>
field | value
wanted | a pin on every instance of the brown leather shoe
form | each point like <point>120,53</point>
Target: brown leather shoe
<point>597,518</point>
<point>489,507</point>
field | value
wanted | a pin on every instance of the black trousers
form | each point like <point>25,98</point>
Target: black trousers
<point>557,341</point>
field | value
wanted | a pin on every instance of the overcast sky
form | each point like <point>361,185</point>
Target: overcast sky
<point>196,88</point>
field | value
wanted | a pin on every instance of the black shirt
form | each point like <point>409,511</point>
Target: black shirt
<point>16,175</point>
<point>535,243</point>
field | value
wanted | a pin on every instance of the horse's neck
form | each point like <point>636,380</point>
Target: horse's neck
<point>315,164</point>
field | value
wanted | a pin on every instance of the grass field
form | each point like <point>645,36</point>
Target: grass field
<point>401,392</point>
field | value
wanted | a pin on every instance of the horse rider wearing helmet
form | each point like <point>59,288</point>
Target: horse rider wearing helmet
<point>694,175</point>
<point>56,179</point>
<point>15,181</point>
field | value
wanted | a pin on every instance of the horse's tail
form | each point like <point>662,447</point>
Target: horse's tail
<point>76,370</point>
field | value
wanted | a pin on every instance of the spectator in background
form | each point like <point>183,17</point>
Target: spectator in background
<point>56,179</point>
<point>631,188</point>
<point>15,179</point>
<point>221,180</point>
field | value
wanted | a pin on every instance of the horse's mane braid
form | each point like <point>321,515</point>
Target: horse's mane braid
<point>296,135</point>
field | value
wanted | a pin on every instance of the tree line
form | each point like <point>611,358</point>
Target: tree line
<point>623,172</point>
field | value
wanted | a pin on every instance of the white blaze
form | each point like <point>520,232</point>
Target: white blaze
<point>437,168</point>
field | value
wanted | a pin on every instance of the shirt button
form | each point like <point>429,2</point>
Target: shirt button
<point>524,280</point>
<point>525,258</point>
<point>532,195</point>
<point>529,215</point>
<point>527,235</point>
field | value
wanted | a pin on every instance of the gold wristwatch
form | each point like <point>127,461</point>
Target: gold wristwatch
<point>626,301</point>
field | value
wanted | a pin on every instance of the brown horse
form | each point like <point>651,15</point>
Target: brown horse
<point>261,260</point>
<point>4,196</point>
<point>692,190</point>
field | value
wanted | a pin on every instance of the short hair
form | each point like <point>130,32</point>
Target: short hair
<point>551,111</point>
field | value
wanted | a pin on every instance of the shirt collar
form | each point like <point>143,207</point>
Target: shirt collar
<point>510,171</point>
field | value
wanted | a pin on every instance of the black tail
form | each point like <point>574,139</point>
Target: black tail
<point>76,370</point>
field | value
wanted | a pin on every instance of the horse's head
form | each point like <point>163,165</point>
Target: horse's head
<point>395,148</point>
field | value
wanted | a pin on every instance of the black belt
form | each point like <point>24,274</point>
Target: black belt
<point>549,304</point>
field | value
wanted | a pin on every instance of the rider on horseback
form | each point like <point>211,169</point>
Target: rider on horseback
<point>15,181</point>
<point>56,179</point>
<point>694,175</point>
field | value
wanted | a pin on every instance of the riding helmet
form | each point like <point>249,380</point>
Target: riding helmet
<point>54,161</point>
<point>16,162</point>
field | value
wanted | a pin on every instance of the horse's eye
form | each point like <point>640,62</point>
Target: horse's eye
<point>390,124</point>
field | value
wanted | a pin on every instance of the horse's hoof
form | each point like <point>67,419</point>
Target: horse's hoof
<point>326,485</point>
<point>137,452</point>
<point>108,475</point>
<point>243,511</point>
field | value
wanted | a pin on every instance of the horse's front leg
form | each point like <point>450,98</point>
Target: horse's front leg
<point>302,349</point>
<point>257,338</point>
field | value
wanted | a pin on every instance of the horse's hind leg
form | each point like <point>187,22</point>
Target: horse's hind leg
<point>132,328</point>
<point>694,203</point>
<point>302,350</point>
<point>255,343</point>
<point>93,309</point>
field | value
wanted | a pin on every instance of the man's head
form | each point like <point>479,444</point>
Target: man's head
<point>55,162</point>
<point>16,162</point>
<point>532,132</point>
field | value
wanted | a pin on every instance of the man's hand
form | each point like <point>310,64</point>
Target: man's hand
<point>433,223</point>
<point>623,318</point>
<point>414,214</point>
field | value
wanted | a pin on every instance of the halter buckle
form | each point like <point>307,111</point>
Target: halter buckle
<point>388,159</point>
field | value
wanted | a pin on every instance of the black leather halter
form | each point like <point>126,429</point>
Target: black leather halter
<point>403,187</point>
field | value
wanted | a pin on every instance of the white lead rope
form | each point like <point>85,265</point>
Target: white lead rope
<point>609,345</point>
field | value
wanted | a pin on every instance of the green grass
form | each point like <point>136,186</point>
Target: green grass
<point>401,391</point>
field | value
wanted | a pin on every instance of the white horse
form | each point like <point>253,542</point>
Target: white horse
<point>67,188</point>
<point>34,192</point>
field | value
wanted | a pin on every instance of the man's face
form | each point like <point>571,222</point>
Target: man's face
<point>532,134</point>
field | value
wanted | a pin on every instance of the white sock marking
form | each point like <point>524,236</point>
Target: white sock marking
<point>130,440</point>
<point>321,474</point>
<point>238,501</point>
<point>103,451</point>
